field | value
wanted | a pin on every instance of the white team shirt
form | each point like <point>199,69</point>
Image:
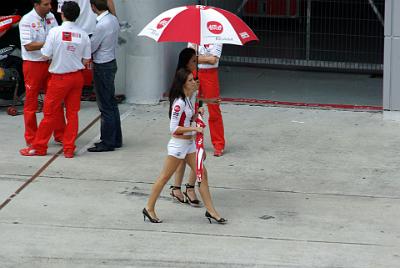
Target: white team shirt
<point>67,45</point>
<point>34,28</point>
<point>208,50</point>
<point>181,115</point>
<point>86,19</point>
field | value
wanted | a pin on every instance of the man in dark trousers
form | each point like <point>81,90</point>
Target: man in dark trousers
<point>104,45</point>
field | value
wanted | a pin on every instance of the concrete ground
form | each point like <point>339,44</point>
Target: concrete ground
<point>301,86</point>
<point>301,188</point>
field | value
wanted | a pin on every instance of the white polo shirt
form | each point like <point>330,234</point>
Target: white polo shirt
<point>33,28</point>
<point>86,19</point>
<point>67,45</point>
<point>208,50</point>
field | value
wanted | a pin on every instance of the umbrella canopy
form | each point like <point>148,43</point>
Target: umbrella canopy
<point>199,25</point>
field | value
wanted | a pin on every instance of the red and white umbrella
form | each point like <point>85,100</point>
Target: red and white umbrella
<point>200,25</point>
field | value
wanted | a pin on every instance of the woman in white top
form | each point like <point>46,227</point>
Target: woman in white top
<point>181,147</point>
<point>186,60</point>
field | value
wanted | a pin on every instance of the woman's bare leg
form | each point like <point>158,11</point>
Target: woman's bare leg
<point>204,189</point>
<point>179,174</point>
<point>191,192</point>
<point>170,166</point>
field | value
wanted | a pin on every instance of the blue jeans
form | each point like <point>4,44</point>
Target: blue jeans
<point>110,130</point>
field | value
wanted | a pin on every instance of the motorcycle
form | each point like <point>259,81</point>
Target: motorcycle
<point>11,77</point>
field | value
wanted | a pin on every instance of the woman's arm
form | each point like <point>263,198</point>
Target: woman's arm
<point>182,130</point>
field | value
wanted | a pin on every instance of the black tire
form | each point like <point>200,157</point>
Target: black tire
<point>13,64</point>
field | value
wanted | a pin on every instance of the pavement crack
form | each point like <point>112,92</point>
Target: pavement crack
<point>7,176</point>
<point>220,235</point>
<point>155,261</point>
<point>307,193</point>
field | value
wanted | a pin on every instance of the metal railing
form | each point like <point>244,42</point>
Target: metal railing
<point>343,35</point>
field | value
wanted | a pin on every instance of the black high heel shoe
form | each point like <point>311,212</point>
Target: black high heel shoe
<point>151,219</point>
<point>175,197</point>
<point>195,202</point>
<point>219,221</point>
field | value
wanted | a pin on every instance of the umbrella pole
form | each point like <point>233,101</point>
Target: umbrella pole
<point>197,61</point>
<point>197,71</point>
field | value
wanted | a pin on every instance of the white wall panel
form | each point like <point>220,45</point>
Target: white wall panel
<point>149,65</point>
<point>391,92</point>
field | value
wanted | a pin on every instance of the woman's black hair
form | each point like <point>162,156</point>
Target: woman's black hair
<point>184,57</point>
<point>176,90</point>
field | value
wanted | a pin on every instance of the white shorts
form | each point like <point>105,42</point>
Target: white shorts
<point>179,148</point>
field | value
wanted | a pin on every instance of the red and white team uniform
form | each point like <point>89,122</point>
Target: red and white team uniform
<point>181,116</point>
<point>209,89</point>
<point>34,28</point>
<point>87,22</point>
<point>67,45</point>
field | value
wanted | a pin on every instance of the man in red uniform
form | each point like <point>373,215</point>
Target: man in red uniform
<point>34,27</point>
<point>209,91</point>
<point>69,47</point>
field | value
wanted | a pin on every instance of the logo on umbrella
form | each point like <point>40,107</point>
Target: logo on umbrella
<point>163,23</point>
<point>215,27</point>
<point>202,7</point>
<point>244,35</point>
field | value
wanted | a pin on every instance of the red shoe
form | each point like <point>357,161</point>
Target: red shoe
<point>218,152</point>
<point>69,153</point>
<point>29,151</point>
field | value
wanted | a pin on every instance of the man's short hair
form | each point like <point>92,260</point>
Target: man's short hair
<point>100,4</point>
<point>70,10</point>
<point>36,1</point>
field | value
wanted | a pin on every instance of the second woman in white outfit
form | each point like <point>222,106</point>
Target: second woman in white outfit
<point>181,146</point>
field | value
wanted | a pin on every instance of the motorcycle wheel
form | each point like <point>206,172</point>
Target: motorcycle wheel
<point>14,64</point>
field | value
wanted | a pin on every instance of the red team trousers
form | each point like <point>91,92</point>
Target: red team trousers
<point>65,88</point>
<point>209,89</point>
<point>36,76</point>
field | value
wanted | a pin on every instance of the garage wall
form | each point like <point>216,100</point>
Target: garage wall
<point>337,35</point>
<point>121,74</point>
<point>145,67</point>
<point>391,93</point>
